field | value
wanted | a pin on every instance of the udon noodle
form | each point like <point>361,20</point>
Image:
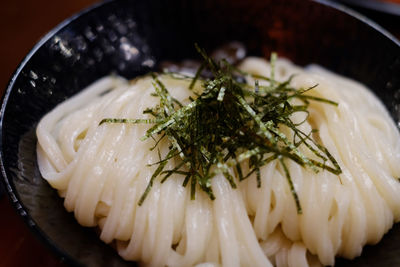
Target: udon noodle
<point>102,171</point>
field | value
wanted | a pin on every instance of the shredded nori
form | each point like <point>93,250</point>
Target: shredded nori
<point>230,123</point>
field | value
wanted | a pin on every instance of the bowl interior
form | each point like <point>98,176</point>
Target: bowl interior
<point>130,38</point>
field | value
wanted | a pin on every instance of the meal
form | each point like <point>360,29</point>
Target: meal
<point>259,164</point>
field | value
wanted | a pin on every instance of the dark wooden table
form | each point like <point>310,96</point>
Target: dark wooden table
<point>22,23</point>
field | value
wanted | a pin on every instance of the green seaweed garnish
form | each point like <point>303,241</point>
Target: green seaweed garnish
<point>229,123</point>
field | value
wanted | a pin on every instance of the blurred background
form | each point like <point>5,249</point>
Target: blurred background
<point>22,24</point>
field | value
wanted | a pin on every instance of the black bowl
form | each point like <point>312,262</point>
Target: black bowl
<point>130,38</point>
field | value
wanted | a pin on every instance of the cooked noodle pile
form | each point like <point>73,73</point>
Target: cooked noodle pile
<point>102,171</point>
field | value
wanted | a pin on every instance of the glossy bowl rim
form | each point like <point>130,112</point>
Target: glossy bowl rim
<point>384,7</point>
<point>9,187</point>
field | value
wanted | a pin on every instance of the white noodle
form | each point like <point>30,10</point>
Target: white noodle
<point>102,171</point>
